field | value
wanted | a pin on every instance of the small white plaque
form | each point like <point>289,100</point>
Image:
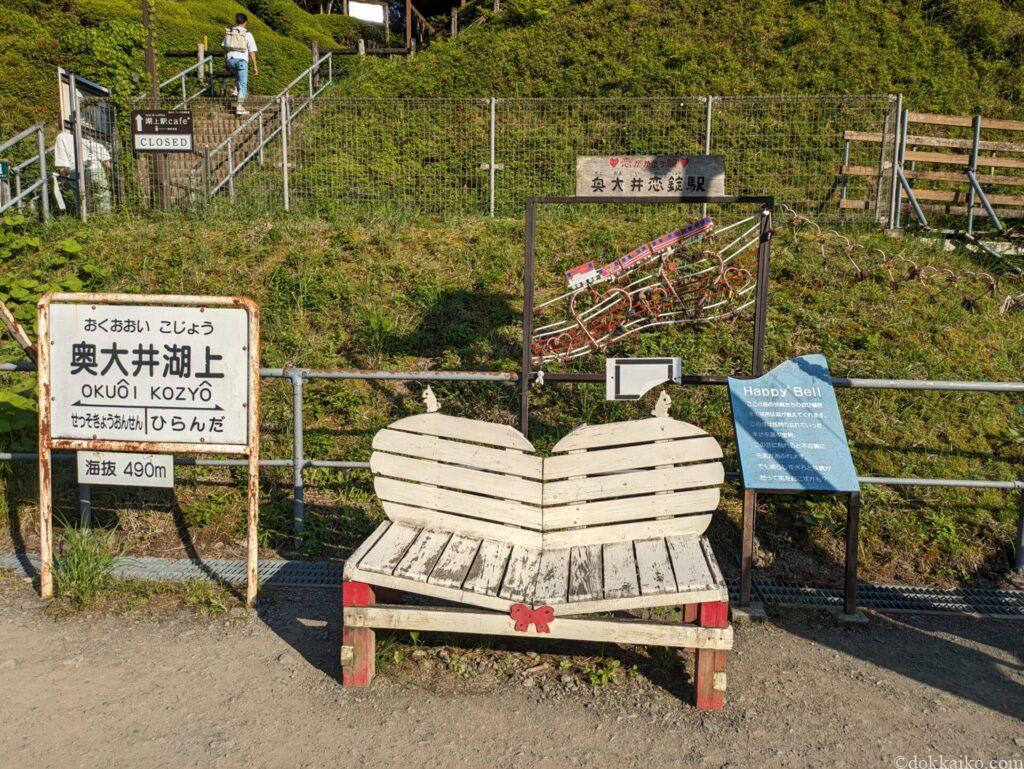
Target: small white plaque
<point>113,468</point>
<point>627,379</point>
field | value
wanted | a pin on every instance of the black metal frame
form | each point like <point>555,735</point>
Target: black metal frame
<point>767,204</point>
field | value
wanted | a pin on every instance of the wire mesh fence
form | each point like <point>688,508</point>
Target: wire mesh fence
<point>480,156</point>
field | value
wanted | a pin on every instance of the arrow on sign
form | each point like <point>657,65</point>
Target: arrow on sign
<point>138,123</point>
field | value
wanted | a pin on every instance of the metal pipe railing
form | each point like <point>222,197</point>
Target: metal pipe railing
<point>300,376</point>
<point>23,192</point>
<point>182,77</point>
<point>258,119</point>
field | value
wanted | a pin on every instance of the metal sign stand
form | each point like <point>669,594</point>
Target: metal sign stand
<point>767,205</point>
<point>47,443</point>
<point>853,506</point>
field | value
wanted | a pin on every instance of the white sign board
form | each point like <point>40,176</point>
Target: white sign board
<point>649,176</point>
<point>112,468</point>
<point>370,12</point>
<point>157,130</point>
<point>149,373</point>
<point>627,379</point>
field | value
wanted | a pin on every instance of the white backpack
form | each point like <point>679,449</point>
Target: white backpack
<point>236,40</point>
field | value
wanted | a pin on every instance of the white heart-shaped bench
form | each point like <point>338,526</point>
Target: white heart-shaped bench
<point>615,513</point>
<point>603,483</point>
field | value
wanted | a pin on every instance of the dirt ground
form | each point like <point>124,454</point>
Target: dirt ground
<point>179,690</point>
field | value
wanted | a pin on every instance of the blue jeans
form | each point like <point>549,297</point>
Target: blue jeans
<point>240,69</point>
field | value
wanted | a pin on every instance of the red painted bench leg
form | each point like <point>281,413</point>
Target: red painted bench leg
<point>709,673</point>
<point>689,617</point>
<point>358,669</point>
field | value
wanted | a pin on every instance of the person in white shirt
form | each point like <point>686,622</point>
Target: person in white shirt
<point>240,48</point>
<point>96,161</point>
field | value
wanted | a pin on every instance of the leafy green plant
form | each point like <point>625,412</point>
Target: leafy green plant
<point>376,332</point>
<point>17,413</point>
<point>85,566</point>
<point>459,667</point>
<point>603,673</point>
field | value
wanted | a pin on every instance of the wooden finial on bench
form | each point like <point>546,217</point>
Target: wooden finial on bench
<point>662,406</point>
<point>430,400</point>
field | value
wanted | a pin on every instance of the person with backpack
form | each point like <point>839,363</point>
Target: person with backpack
<point>240,47</point>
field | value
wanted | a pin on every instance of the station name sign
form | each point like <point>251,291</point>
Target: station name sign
<point>149,374</point>
<point>650,176</point>
<point>789,431</point>
<point>160,130</point>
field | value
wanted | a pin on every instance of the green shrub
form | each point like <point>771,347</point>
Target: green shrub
<point>85,565</point>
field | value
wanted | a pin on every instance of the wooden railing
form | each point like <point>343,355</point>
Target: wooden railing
<point>940,177</point>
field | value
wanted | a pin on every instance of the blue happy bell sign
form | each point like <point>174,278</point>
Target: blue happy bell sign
<point>789,431</point>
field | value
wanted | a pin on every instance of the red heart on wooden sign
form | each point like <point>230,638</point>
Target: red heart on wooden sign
<point>613,162</point>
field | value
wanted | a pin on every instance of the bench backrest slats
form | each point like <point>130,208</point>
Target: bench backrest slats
<point>603,483</point>
<point>463,429</point>
<point>459,475</point>
<point>649,455</point>
<point>635,482</point>
<point>455,477</point>
<point>621,433</point>
<point>455,452</point>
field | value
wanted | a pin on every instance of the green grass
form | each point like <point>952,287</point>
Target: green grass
<point>102,40</point>
<point>84,566</point>
<point>959,55</point>
<point>413,293</point>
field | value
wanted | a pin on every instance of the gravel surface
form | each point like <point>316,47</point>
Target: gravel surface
<point>173,689</point>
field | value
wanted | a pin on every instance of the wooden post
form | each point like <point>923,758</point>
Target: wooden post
<point>159,163</point>
<point>150,52</point>
<point>408,27</point>
<point>747,544</point>
<point>455,21</point>
<point>709,667</point>
<point>358,644</point>
<point>852,538</point>
<point>200,55</point>
<point>497,5</point>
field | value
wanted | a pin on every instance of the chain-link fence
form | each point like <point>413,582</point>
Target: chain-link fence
<point>480,156</point>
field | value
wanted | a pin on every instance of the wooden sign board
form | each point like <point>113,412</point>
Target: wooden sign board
<point>789,432</point>
<point>650,176</point>
<point>147,374</point>
<point>162,130</point>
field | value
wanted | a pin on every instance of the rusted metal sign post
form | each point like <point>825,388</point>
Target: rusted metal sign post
<point>152,374</point>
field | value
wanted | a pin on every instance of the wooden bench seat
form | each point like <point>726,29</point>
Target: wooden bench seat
<point>664,571</point>
<point>612,520</point>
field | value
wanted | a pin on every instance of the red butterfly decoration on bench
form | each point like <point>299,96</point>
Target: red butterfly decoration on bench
<point>524,616</point>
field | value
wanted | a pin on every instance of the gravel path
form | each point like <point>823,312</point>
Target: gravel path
<point>184,691</point>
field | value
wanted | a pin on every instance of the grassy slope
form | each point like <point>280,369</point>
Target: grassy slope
<point>961,55</point>
<point>416,293</point>
<point>32,31</point>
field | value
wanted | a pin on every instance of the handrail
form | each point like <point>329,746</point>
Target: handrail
<point>184,73</point>
<point>284,92</point>
<point>286,118</point>
<point>22,136</point>
<point>198,67</point>
<point>22,193</point>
